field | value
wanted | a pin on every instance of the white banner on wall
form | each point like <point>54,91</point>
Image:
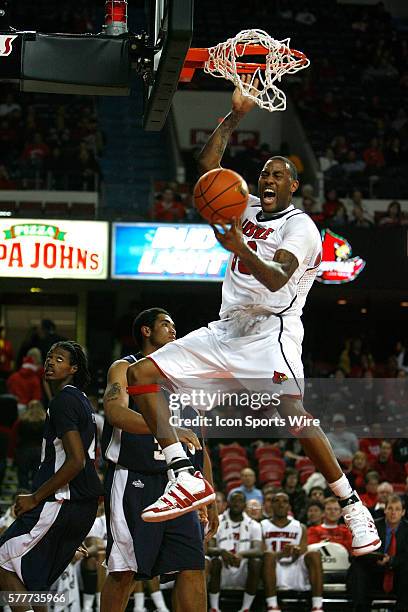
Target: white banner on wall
<point>50,248</point>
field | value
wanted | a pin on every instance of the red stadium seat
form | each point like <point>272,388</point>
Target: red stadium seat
<point>237,460</point>
<point>270,473</point>
<point>236,449</point>
<point>276,462</point>
<point>232,475</point>
<point>233,484</point>
<point>305,473</point>
<point>268,451</point>
<point>302,462</point>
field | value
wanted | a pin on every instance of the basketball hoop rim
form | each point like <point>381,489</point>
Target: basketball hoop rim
<point>197,56</point>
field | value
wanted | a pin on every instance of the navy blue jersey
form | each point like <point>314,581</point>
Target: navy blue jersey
<point>138,452</point>
<point>69,410</point>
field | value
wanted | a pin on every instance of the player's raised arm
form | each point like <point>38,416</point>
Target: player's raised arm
<point>211,155</point>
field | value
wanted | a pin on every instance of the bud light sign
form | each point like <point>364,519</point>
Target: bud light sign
<point>160,251</point>
<point>337,265</point>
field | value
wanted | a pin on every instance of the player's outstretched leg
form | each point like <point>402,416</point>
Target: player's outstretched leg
<point>317,447</point>
<point>187,490</point>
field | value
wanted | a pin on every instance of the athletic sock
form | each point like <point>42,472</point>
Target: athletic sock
<point>98,601</point>
<point>317,602</point>
<point>214,600</point>
<point>138,605</point>
<point>88,602</point>
<point>176,459</point>
<point>272,602</point>
<point>247,601</point>
<point>158,600</point>
<point>342,489</point>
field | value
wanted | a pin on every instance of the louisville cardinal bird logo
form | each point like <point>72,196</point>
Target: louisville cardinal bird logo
<point>6,44</point>
<point>337,265</point>
<point>279,378</point>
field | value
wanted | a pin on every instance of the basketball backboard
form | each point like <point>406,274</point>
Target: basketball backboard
<point>170,30</point>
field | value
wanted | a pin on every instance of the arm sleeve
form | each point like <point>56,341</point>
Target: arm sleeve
<point>64,414</point>
<point>300,238</point>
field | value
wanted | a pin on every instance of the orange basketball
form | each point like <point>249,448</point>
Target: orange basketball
<point>220,195</point>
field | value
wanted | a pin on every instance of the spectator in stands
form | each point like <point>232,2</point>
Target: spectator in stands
<point>353,165</point>
<point>292,451</point>
<point>340,148</point>
<point>6,354</point>
<point>296,495</point>
<point>356,358</point>
<point>287,562</point>
<point>384,490</point>
<point>340,217</point>
<point>359,468</point>
<point>371,446</point>
<point>373,157</point>
<point>344,443</point>
<point>404,496</point>
<point>167,207</point>
<point>253,509</point>
<point>314,513</point>
<point>328,107</point>
<point>36,150</point>
<point>327,161</point>
<point>25,384</point>
<point>330,529</point>
<point>394,215</point>
<point>400,450</point>
<point>26,441</point>
<point>316,494</point>
<point>267,509</point>
<point>221,502</point>
<point>48,336</point>
<point>387,468</point>
<point>370,498</point>
<point>331,204</point>
<point>248,488</point>
<point>386,570</point>
<point>360,218</point>
<point>236,554</point>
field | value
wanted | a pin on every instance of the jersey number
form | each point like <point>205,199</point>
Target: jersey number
<point>241,266</point>
<point>277,545</point>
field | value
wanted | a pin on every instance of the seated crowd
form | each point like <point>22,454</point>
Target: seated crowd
<point>279,536</point>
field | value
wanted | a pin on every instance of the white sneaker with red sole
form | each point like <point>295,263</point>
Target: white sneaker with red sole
<point>184,494</point>
<point>361,524</point>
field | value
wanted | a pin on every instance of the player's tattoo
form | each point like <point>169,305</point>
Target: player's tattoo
<point>272,274</point>
<point>213,151</point>
<point>113,392</point>
<point>287,260</point>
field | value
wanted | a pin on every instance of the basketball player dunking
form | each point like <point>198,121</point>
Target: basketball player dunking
<point>259,334</point>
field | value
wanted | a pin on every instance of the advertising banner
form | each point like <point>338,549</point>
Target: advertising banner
<point>34,248</point>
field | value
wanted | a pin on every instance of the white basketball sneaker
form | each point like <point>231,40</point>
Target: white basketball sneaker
<point>186,493</point>
<point>361,524</point>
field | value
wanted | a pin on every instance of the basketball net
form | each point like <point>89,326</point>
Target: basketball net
<point>224,61</point>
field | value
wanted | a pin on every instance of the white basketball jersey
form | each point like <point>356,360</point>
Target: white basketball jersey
<point>276,537</point>
<point>292,230</point>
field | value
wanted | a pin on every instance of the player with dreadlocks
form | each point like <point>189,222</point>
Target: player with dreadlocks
<point>55,518</point>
